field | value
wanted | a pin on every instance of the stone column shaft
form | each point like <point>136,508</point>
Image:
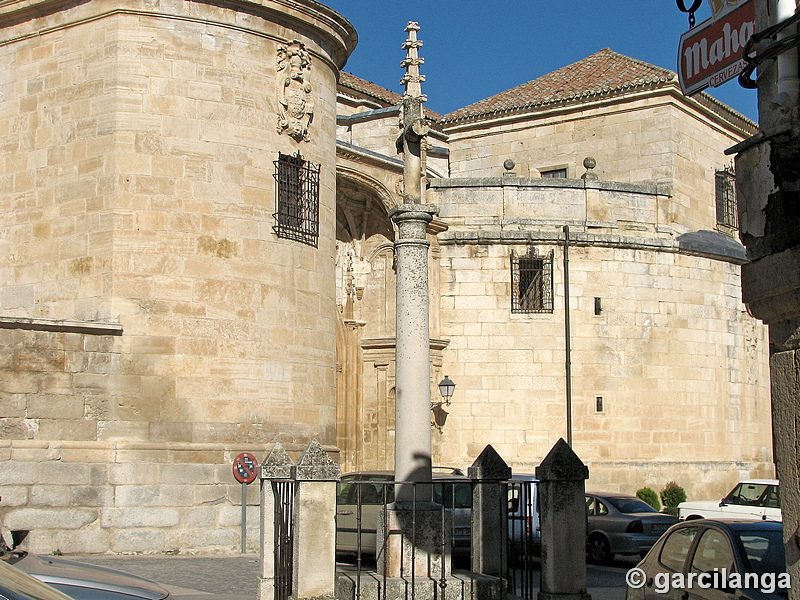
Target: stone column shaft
<point>412,385</point>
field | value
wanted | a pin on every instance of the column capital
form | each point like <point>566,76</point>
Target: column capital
<point>412,211</point>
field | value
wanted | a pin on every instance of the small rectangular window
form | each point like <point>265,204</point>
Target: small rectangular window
<point>554,173</point>
<point>297,199</point>
<point>599,404</point>
<point>725,180</point>
<point>531,282</point>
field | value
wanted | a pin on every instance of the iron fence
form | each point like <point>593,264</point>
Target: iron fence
<point>365,531</point>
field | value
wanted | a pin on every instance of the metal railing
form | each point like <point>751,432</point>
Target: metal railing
<point>435,533</point>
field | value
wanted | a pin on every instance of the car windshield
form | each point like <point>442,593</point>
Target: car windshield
<point>630,505</point>
<point>764,551</point>
<point>754,494</point>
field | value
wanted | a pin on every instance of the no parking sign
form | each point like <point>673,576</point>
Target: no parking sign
<point>245,468</point>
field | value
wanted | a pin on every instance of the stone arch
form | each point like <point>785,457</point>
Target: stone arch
<point>366,298</point>
<point>362,206</point>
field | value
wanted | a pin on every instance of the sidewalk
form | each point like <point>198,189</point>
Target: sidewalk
<point>235,577</point>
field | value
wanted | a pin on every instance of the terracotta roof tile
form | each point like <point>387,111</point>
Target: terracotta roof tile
<point>370,89</point>
<point>605,72</point>
<point>348,80</point>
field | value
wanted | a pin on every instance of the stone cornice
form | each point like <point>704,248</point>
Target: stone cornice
<point>305,16</point>
<point>652,189</point>
<point>706,244</point>
<point>362,155</point>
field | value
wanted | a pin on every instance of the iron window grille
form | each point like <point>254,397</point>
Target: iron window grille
<point>297,199</point>
<point>531,282</point>
<point>725,180</point>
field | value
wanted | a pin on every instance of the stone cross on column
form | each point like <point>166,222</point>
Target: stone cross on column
<point>413,387</point>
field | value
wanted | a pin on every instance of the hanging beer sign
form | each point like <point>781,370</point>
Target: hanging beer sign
<point>711,53</point>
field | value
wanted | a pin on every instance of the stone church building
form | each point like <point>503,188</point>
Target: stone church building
<point>196,260</point>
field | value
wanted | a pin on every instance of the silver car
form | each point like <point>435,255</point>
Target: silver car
<point>621,524</point>
<point>360,497</point>
<point>80,581</point>
<point>18,585</point>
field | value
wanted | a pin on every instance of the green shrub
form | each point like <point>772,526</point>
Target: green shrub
<point>649,496</point>
<point>671,496</point>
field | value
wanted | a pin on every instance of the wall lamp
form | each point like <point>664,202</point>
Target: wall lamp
<point>446,389</point>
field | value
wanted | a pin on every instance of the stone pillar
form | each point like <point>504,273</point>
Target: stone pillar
<point>412,379</point>
<point>315,524</point>
<point>489,473</point>
<point>562,502</point>
<point>276,466</point>
<point>768,199</point>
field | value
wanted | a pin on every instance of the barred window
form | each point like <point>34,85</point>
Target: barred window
<point>297,199</point>
<point>726,198</point>
<point>532,282</point>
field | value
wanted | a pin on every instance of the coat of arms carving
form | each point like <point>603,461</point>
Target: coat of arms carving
<point>295,106</point>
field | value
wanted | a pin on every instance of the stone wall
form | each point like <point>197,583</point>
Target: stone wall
<point>139,191</point>
<point>680,366</point>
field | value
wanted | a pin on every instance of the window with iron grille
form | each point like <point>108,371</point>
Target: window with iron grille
<point>532,282</point>
<point>726,198</point>
<point>297,199</point>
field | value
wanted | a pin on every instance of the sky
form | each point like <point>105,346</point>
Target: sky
<point>474,49</point>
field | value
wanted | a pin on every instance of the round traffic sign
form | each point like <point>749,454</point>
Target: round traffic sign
<point>245,468</point>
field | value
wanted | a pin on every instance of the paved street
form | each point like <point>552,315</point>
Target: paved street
<point>235,577</point>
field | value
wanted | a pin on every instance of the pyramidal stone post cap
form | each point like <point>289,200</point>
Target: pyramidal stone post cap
<point>562,464</point>
<point>277,464</point>
<point>315,464</point>
<point>489,466</point>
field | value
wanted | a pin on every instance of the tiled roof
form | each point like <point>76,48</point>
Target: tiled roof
<point>348,80</point>
<point>603,73</point>
<point>370,89</point>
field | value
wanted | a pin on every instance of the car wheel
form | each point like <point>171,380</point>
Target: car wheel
<point>599,550</point>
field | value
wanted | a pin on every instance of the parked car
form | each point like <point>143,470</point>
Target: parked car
<point>360,496</point>
<point>723,551</point>
<point>750,499</point>
<point>620,524</point>
<point>80,581</point>
<point>356,529</point>
<point>17,585</point>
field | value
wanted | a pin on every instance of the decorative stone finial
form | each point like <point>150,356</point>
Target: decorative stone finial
<point>489,466</point>
<point>412,80</point>
<point>589,163</point>
<point>562,464</point>
<point>277,465</point>
<point>509,164</point>
<point>315,464</point>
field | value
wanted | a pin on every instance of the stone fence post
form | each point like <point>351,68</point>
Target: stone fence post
<point>489,473</point>
<point>315,524</point>
<point>276,467</point>
<point>562,485</point>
